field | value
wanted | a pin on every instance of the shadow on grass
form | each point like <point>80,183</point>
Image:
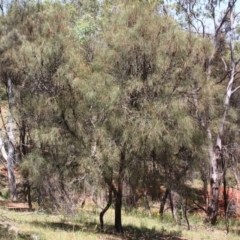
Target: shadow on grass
<point>65,226</point>
<point>5,235</point>
<point>130,232</point>
<point>143,233</point>
<point>236,232</point>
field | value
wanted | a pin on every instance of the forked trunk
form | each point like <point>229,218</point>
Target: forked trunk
<point>109,203</point>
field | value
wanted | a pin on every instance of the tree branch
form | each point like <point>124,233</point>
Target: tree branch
<point>233,91</point>
<point>223,78</point>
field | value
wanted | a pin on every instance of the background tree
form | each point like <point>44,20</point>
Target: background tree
<point>37,59</point>
<point>219,66</point>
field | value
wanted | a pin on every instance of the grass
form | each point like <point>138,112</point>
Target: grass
<point>137,226</point>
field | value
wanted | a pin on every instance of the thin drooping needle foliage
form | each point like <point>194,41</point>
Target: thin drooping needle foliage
<point>114,98</point>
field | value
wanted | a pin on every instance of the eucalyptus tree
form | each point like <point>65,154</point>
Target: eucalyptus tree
<point>9,153</point>
<point>9,74</point>
<point>220,65</point>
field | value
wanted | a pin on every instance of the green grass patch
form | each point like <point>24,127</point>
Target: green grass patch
<point>85,225</point>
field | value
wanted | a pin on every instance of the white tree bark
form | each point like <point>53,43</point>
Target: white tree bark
<point>9,154</point>
<point>216,151</point>
<point>3,150</point>
<point>11,144</point>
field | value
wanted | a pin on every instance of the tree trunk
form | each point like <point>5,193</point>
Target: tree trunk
<point>27,192</point>
<point>215,180</point>
<point>23,150</point>
<point>185,214</point>
<point>29,197</point>
<point>170,201</point>
<point>11,175</point>
<point>39,197</point>
<point>106,208</point>
<point>173,196</point>
<point>147,205</point>
<point>163,202</point>
<point>118,194</point>
<point>11,141</point>
<point>225,193</point>
<point>118,211</point>
<point>235,171</point>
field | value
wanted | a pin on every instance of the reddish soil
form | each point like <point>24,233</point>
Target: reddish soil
<point>233,201</point>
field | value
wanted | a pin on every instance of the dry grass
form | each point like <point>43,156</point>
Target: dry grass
<point>137,225</point>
